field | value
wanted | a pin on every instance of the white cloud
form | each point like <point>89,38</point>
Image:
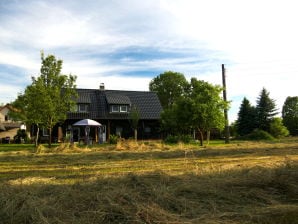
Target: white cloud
<point>9,93</point>
<point>255,39</point>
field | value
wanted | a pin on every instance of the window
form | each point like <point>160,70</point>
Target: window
<point>119,131</point>
<point>118,108</point>
<point>123,108</point>
<point>83,107</point>
<point>147,130</point>
<point>45,132</point>
<point>115,108</point>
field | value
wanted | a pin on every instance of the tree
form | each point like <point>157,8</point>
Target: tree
<point>290,114</point>
<point>207,107</point>
<point>265,110</point>
<point>169,123</point>
<point>28,110</point>
<point>197,105</point>
<point>50,96</point>
<point>246,123</point>
<point>134,120</point>
<point>277,129</point>
<point>169,86</point>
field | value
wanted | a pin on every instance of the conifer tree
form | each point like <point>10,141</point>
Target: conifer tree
<point>246,121</point>
<point>265,110</point>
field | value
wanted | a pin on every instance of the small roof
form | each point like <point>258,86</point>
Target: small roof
<point>87,122</point>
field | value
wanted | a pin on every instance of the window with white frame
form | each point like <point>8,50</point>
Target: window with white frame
<point>83,107</point>
<point>115,108</point>
<point>118,108</point>
<point>123,108</point>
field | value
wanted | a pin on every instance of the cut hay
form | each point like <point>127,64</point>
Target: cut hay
<point>244,183</point>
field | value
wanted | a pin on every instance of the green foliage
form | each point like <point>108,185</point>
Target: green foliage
<point>277,129</point>
<point>169,122</point>
<point>21,136</point>
<point>187,106</point>
<point>169,86</point>
<point>50,96</point>
<point>207,106</point>
<point>113,139</point>
<point>246,121</point>
<point>265,110</point>
<point>185,138</point>
<point>258,134</point>
<point>290,114</point>
<point>174,139</point>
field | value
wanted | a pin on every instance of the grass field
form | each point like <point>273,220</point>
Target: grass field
<point>150,182</point>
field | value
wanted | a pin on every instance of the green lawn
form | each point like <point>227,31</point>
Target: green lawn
<point>149,182</point>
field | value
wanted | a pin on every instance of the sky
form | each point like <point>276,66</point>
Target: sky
<point>126,43</point>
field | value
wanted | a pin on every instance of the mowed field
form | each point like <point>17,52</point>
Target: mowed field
<point>150,182</point>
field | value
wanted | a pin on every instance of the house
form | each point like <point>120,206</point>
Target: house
<point>112,109</point>
<point>8,127</point>
<point>4,111</point>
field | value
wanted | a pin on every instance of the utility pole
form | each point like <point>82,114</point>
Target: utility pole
<point>227,129</point>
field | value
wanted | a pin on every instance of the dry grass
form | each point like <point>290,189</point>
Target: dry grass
<point>149,182</point>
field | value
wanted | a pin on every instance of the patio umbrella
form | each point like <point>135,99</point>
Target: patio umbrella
<point>87,122</point>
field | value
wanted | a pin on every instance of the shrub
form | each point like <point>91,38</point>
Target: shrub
<point>21,136</point>
<point>113,139</point>
<point>258,134</point>
<point>277,129</point>
<point>172,139</point>
<point>185,138</point>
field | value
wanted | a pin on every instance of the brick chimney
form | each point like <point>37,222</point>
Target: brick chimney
<point>102,86</point>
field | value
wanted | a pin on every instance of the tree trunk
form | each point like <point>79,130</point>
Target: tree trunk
<point>37,135</point>
<point>50,137</point>
<point>208,137</point>
<point>136,134</point>
<point>201,137</point>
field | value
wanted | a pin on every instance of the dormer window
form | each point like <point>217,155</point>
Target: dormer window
<point>83,107</point>
<point>115,108</point>
<point>123,108</point>
<point>119,108</point>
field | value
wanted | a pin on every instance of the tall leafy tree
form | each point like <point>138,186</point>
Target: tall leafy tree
<point>50,96</point>
<point>208,107</point>
<point>246,121</point>
<point>290,114</point>
<point>169,86</point>
<point>169,122</point>
<point>265,110</point>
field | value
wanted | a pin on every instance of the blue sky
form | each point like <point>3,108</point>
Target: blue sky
<point>125,44</point>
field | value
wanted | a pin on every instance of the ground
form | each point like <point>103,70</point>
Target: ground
<point>150,182</point>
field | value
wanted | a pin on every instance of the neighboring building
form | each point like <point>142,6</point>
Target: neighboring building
<point>112,109</point>
<point>4,110</point>
<point>8,127</point>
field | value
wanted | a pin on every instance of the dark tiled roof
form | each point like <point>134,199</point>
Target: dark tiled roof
<point>84,96</point>
<point>116,98</point>
<point>146,102</point>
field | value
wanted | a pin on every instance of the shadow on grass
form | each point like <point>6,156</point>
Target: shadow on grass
<point>17,147</point>
<point>256,195</point>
